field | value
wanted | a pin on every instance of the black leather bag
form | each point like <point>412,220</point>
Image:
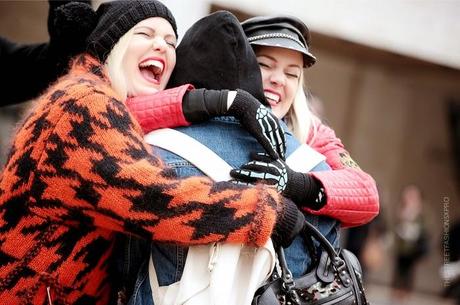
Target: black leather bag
<point>336,278</point>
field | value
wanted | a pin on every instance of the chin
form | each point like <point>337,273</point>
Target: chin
<point>277,112</point>
<point>145,91</point>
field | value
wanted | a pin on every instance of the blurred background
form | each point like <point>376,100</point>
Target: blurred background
<point>387,80</point>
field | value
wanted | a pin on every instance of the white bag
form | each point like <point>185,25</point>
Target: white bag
<point>220,273</point>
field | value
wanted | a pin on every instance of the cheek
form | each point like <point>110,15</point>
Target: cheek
<point>265,76</point>
<point>292,90</point>
<point>171,61</point>
<point>135,47</point>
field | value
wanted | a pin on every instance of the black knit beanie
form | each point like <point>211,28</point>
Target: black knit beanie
<point>115,18</point>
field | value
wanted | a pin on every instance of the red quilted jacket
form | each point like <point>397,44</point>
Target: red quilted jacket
<point>352,195</point>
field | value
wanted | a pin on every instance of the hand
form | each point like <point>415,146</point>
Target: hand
<point>263,169</point>
<point>201,104</point>
<point>260,122</point>
<point>302,188</point>
<point>289,224</point>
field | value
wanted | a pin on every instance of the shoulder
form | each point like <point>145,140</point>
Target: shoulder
<point>318,130</point>
<point>86,81</point>
<point>82,88</point>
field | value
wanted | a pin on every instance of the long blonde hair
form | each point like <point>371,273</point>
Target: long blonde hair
<point>114,64</point>
<point>299,117</point>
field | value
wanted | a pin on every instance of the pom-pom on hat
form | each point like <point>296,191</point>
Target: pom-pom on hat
<point>280,31</point>
<point>102,29</point>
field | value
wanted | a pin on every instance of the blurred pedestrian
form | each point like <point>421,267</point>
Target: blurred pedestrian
<point>411,240</point>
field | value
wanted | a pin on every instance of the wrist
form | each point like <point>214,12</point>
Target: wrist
<point>241,104</point>
<point>230,98</point>
<point>305,191</point>
<point>202,104</point>
<point>289,223</point>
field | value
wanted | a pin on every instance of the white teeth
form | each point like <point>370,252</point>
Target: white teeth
<point>155,63</point>
<point>272,96</point>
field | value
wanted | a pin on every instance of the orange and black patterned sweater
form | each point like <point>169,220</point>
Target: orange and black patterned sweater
<point>79,173</point>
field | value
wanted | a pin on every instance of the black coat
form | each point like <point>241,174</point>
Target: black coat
<point>26,70</point>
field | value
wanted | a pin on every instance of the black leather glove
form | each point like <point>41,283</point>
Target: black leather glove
<point>202,104</point>
<point>302,188</point>
<point>289,224</point>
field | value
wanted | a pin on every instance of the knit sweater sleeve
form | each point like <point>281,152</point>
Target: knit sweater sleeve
<point>352,195</point>
<point>107,176</point>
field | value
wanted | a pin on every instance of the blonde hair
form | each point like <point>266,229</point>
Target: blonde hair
<point>114,65</point>
<point>299,117</point>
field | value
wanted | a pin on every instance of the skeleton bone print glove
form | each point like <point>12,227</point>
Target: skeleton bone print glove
<point>260,122</point>
<point>201,104</point>
<point>302,188</point>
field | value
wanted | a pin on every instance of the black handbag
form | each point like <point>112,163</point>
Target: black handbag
<point>336,277</point>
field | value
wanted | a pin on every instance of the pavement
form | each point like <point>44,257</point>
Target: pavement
<point>382,295</point>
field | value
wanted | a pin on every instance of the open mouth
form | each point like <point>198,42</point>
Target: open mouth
<point>152,69</point>
<point>272,97</point>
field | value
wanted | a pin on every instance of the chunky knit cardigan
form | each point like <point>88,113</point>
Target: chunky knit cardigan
<point>79,173</point>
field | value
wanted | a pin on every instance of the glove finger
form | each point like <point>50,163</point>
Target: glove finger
<point>242,176</point>
<point>269,169</point>
<point>261,156</point>
<point>278,136</point>
<point>258,132</point>
<point>268,138</point>
<point>238,182</point>
<point>270,129</point>
<point>253,177</point>
<point>274,172</point>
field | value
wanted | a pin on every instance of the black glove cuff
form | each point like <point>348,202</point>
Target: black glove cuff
<point>305,191</point>
<point>202,104</point>
<point>240,105</point>
<point>288,224</point>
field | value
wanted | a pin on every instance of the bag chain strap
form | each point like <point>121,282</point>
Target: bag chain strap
<point>338,263</point>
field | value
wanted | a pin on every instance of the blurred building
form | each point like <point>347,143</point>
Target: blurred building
<point>389,75</point>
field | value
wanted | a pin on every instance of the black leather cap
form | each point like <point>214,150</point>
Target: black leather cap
<point>280,31</point>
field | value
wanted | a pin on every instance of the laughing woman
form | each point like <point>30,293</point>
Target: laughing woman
<point>79,172</point>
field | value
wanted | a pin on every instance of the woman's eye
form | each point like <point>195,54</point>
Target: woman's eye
<point>293,75</point>
<point>264,65</point>
<point>171,44</point>
<point>143,34</point>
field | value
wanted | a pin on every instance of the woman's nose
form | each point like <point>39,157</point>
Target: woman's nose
<point>277,78</point>
<point>159,44</point>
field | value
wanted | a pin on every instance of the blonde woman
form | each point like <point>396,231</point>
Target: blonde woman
<point>79,172</point>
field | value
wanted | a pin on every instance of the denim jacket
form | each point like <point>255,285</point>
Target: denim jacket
<point>229,140</point>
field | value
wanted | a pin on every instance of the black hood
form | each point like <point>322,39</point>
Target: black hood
<point>215,54</point>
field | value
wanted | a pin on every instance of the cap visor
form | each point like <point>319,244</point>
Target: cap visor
<point>309,58</point>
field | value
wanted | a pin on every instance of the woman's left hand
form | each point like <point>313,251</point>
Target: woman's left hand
<point>263,169</point>
<point>302,188</point>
